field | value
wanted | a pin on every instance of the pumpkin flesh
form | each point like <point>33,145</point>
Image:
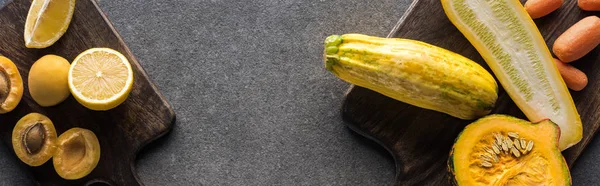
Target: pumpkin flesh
<point>542,165</point>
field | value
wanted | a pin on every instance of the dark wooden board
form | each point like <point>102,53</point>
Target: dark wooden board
<point>122,131</point>
<point>420,140</point>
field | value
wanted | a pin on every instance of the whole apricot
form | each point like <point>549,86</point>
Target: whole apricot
<point>48,80</point>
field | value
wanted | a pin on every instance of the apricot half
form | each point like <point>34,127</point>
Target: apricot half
<point>11,85</point>
<point>47,80</point>
<point>34,139</point>
<point>77,154</point>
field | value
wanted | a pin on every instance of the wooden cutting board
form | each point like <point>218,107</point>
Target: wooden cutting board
<point>420,140</point>
<point>122,131</point>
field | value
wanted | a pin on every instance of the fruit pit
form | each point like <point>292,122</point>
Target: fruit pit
<point>33,138</point>
<point>4,85</point>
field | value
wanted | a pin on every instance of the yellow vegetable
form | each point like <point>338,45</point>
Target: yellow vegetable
<point>413,72</point>
<point>511,44</point>
<point>504,150</point>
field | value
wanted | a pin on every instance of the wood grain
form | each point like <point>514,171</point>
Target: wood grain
<point>420,140</point>
<point>122,131</point>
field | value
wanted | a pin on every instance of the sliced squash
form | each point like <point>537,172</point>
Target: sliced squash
<point>512,46</point>
<point>504,150</point>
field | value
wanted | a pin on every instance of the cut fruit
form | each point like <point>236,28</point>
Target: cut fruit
<point>510,43</point>
<point>34,139</point>
<point>77,154</point>
<point>100,78</point>
<point>11,85</point>
<point>47,21</point>
<point>504,150</point>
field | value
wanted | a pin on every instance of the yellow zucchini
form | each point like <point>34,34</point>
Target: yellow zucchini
<point>413,72</point>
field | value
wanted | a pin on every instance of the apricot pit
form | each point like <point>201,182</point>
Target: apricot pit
<point>34,139</point>
<point>77,154</point>
<point>11,85</point>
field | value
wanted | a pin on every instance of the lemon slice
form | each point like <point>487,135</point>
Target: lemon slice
<point>47,21</point>
<point>511,44</point>
<point>100,78</point>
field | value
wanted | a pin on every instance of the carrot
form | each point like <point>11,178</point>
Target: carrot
<point>578,40</point>
<point>574,78</point>
<point>540,8</point>
<point>589,5</point>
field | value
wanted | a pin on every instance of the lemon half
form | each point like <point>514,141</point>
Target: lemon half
<point>100,78</point>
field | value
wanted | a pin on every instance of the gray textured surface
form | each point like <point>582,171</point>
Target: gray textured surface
<point>253,102</point>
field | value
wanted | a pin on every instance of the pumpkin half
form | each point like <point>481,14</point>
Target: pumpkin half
<point>504,150</point>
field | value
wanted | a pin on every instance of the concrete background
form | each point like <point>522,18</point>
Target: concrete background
<point>254,104</point>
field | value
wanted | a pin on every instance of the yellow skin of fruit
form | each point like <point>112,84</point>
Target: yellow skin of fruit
<point>89,56</point>
<point>48,80</point>
<point>49,146</point>
<point>47,21</point>
<point>71,162</point>
<point>13,78</point>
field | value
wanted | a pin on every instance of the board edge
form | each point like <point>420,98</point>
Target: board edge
<point>171,115</point>
<point>130,53</point>
<point>351,124</point>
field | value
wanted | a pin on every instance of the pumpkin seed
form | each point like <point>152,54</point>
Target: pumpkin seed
<point>513,134</point>
<point>488,150</point>
<point>485,157</point>
<point>495,148</point>
<point>515,152</point>
<point>523,143</point>
<point>499,139</point>
<point>529,146</point>
<point>517,144</point>
<point>508,142</point>
<point>486,164</point>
